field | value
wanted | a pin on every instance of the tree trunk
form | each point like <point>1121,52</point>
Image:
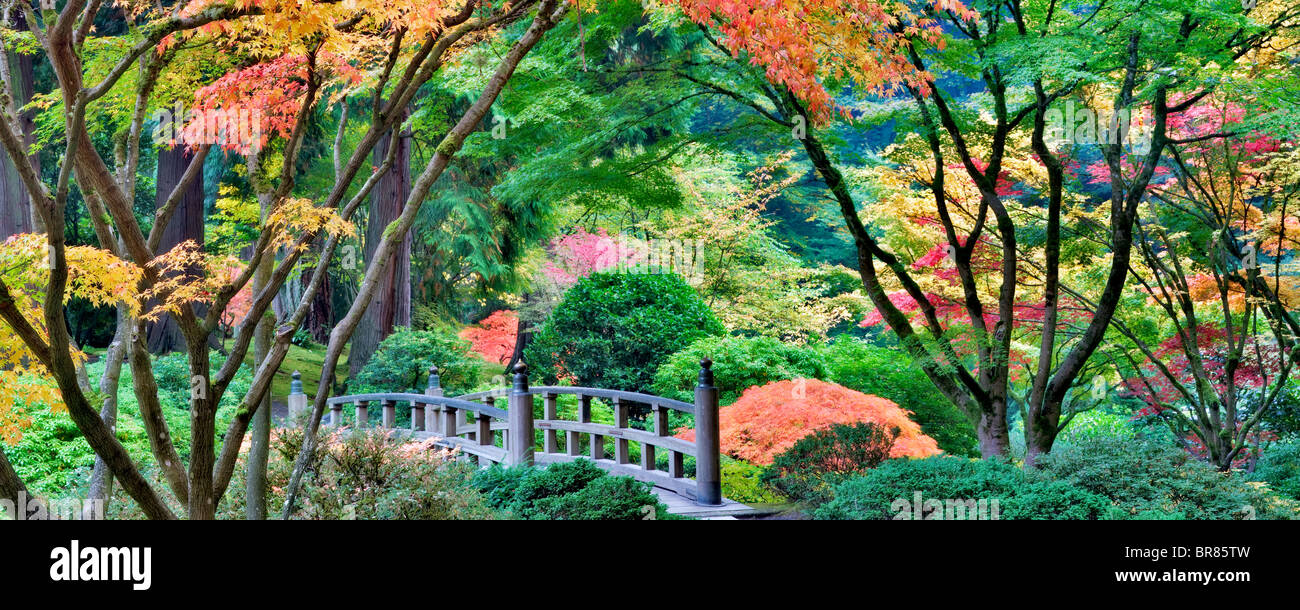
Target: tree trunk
<point>391,306</point>
<point>186,224</point>
<point>101,478</point>
<point>320,318</point>
<point>15,205</point>
<point>523,336</point>
<point>260,442</point>
<point>547,16</point>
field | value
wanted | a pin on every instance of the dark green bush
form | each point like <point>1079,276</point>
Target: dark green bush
<point>816,463</point>
<point>877,494</point>
<point>889,373</point>
<point>1279,466</point>
<point>577,490</point>
<point>739,363</point>
<point>613,330</point>
<point>401,363</point>
<point>604,499</point>
<point>1146,480</point>
<point>1053,500</point>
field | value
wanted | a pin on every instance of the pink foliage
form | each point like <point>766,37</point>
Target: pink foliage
<point>580,254</point>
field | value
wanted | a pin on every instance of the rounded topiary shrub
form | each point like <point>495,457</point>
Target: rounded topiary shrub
<point>613,330</point>
<point>402,361</point>
<point>889,373</point>
<point>738,363</point>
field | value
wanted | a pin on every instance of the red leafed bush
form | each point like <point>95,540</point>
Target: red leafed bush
<point>494,337</point>
<point>769,419</point>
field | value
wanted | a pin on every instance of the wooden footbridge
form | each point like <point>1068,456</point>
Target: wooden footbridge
<point>476,426</point>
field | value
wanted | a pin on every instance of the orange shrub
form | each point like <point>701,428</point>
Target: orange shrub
<point>494,337</point>
<point>769,419</point>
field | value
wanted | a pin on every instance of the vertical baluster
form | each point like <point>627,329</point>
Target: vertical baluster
<point>390,414</point>
<point>363,418</point>
<point>621,453</point>
<point>675,466</point>
<point>484,434</point>
<point>661,427</point>
<point>417,416</point>
<point>336,414</point>
<point>450,421</point>
<point>584,415</point>
<point>492,402</point>
<point>597,441</point>
<point>551,443</point>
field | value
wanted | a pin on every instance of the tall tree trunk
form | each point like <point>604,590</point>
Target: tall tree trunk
<point>101,478</point>
<point>320,318</point>
<point>186,224</point>
<point>15,205</point>
<point>391,306</point>
<point>260,441</point>
<point>523,336</point>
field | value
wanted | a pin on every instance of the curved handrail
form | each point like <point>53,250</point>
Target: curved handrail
<point>649,399</point>
<point>423,399</point>
<point>495,393</point>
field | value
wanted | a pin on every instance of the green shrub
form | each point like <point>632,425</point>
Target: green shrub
<point>1279,466</point>
<point>743,482</point>
<point>613,330</point>
<point>879,493</point>
<point>1053,500</point>
<point>604,499</point>
<point>1144,480</point>
<point>370,475</point>
<point>888,373</point>
<point>577,490</point>
<point>402,361</point>
<point>816,463</point>
<point>739,363</point>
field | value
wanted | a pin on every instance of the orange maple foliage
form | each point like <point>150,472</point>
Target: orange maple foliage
<point>494,337</point>
<point>804,43</point>
<point>769,419</point>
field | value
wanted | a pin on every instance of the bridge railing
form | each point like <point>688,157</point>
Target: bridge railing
<point>447,417</point>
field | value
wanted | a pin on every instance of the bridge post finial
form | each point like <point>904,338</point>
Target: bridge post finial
<point>431,412</point>
<point>521,377</point>
<point>708,464</point>
<point>435,382</point>
<point>297,400</point>
<point>520,419</point>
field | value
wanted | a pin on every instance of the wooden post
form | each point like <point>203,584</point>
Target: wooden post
<point>363,417</point>
<point>336,414</point>
<point>433,389</point>
<point>521,419</point>
<point>708,465</point>
<point>549,410</point>
<point>297,401</point>
<point>661,429</point>
<point>622,454</point>
<point>450,422</point>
